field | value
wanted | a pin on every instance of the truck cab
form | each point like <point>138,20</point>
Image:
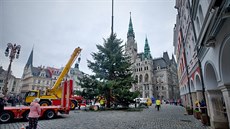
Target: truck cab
<point>30,96</point>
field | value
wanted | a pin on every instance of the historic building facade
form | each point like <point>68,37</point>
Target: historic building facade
<point>202,44</point>
<point>40,78</point>
<point>14,84</point>
<point>155,77</point>
<point>35,78</point>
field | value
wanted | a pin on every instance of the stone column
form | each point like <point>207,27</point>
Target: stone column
<point>188,99</point>
<point>207,103</point>
<point>143,91</point>
<point>183,100</point>
<point>199,95</point>
<point>215,105</point>
<point>150,91</point>
<point>226,94</point>
<point>194,98</point>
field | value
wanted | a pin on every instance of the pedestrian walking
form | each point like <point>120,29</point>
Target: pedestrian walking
<point>35,112</point>
<point>2,103</point>
<point>158,104</point>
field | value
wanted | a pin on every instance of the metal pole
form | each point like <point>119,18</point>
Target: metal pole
<point>189,88</point>
<point>202,83</point>
<point>5,89</point>
<point>112,20</point>
<point>13,50</point>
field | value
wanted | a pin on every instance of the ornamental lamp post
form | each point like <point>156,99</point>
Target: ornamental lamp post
<point>11,50</point>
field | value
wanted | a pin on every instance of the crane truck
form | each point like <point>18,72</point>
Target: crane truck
<point>55,93</point>
<point>48,112</point>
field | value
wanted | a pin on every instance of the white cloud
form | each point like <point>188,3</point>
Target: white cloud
<point>56,27</point>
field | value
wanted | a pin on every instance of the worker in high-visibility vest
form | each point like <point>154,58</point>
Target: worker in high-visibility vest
<point>158,104</point>
<point>102,102</point>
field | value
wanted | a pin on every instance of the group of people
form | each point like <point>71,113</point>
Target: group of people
<point>13,100</point>
<point>199,106</point>
<point>34,114</point>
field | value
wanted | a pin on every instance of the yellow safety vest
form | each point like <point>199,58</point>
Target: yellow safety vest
<point>102,101</point>
<point>158,102</point>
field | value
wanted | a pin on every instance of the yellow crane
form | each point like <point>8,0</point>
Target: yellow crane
<point>55,92</point>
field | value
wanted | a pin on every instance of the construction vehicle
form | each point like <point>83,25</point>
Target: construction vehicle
<point>48,112</point>
<point>55,93</point>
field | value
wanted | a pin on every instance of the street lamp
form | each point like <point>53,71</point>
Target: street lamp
<point>11,50</point>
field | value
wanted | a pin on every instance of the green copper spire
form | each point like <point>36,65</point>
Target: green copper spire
<point>130,31</point>
<point>147,52</point>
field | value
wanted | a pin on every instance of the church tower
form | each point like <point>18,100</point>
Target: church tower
<point>147,52</point>
<point>29,65</point>
<point>131,45</point>
<point>27,77</point>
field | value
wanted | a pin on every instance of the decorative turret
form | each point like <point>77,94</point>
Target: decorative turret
<point>147,52</point>
<point>130,31</point>
<point>131,45</point>
<point>166,57</point>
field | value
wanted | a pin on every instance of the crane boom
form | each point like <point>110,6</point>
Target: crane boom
<point>56,92</point>
<point>66,69</point>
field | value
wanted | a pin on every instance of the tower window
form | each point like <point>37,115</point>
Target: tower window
<point>158,67</point>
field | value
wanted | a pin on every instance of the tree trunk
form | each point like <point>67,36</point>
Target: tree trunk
<point>109,98</point>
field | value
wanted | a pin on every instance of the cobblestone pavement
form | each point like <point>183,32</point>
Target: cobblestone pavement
<point>169,117</point>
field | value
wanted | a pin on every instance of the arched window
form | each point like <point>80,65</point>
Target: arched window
<point>158,67</point>
<point>136,78</point>
<point>146,77</point>
<point>140,78</point>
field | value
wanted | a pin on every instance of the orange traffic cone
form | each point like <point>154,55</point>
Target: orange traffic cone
<point>23,126</point>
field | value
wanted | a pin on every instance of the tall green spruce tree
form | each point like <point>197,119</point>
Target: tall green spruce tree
<point>112,67</point>
<point>90,87</point>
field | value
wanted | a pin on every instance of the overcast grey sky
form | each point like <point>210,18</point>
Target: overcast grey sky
<point>56,27</point>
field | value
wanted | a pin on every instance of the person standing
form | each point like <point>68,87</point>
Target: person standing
<point>158,104</point>
<point>2,103</point>
<point>35,112</point>
<point>102,103</point>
